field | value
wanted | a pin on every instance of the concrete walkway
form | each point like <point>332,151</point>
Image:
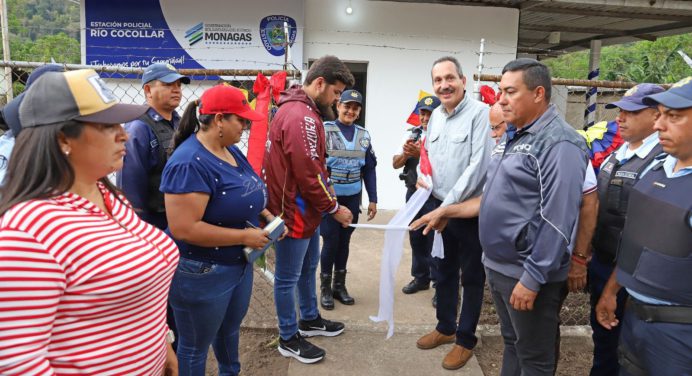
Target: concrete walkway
<point>363,349</point>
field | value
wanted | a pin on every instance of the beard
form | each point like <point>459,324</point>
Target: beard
<point>326,108</point>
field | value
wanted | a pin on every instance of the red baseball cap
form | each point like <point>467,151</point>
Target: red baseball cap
<point>225,99</point>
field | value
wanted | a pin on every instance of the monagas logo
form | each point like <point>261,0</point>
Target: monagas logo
<point>272,33</point>
<point>215,34</point>
<point>195,33</point>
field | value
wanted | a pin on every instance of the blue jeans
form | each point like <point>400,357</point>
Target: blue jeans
<point>605,342</point>
<point>296,264</point>
<point>209,301</point>
<point>336,240</point>
<point>529,336</point>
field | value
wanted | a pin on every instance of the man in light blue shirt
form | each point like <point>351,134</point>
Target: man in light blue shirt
<point>654,259</point>
<point>458,145</point>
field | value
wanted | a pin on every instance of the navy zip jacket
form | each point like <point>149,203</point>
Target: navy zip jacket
<point>530,206</point>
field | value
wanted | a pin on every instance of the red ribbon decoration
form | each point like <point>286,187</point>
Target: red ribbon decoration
<point>265,89</point>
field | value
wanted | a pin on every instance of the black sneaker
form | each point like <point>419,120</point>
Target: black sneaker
<point>299,348</point>
<point>320,327</point>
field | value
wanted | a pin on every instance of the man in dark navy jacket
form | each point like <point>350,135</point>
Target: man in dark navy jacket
<point>150,139</point>
<point>528,232</point>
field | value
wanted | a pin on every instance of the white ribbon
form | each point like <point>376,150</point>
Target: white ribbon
<point>395,231</point>
<point>438,248</point>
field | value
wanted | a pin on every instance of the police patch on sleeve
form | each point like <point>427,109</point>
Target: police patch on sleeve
<point>365,142</point>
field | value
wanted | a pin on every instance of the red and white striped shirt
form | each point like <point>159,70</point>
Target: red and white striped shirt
<point>81,292</point>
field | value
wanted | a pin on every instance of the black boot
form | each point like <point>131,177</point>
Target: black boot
<point>340,292</point>
<point>326,296</point>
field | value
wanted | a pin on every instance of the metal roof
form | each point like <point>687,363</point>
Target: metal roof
<point>551,27</point>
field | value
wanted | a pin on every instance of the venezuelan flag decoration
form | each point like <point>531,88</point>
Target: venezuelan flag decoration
<point>413,119</point>
<point>602,138</point>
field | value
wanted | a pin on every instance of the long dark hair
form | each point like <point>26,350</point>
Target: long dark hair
<point>190,123</point>
<point>37,168</point>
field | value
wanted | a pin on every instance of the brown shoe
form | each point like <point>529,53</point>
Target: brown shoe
<point>457,358</point>
<point>434,339</point>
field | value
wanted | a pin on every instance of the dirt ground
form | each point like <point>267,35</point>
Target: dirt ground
<point>575,356</point>
<point>257,354</point>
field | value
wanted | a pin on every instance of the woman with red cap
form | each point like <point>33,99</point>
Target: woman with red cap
<point>212,195</point>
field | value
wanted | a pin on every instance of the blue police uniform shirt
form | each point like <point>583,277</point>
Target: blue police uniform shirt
<point>236,194</point>
<point>668,166</point>
<point>623,153</point>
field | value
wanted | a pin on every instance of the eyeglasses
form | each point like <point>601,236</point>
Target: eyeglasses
<point>496,127</point>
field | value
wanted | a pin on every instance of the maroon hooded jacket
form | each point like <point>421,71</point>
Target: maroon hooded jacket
<point>295,168</point>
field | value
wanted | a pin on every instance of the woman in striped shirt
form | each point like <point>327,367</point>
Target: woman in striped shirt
<point>83,281</point>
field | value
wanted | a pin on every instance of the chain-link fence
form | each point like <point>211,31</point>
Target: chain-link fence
<point>127,86</point>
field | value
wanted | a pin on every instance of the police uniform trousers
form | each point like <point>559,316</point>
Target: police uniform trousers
<point>336,239</point>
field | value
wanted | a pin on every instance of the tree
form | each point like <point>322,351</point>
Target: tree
<point>655,62</point>
<point>60,47</point>
<point>32,19</point>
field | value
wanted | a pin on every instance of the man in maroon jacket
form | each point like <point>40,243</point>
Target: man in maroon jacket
<point>296,174</point>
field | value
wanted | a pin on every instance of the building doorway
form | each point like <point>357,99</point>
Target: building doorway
<point>360,73</point>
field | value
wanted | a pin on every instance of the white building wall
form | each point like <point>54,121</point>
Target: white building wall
<point>399,41</point>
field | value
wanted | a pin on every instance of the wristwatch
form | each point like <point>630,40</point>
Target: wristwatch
<point>170,336</point>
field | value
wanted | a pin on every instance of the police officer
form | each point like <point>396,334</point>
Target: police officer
<point>350,161</point>
<point>654,260</point>
<point>615,180</point>
<point>150,139</point>
<point>408,157</point>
